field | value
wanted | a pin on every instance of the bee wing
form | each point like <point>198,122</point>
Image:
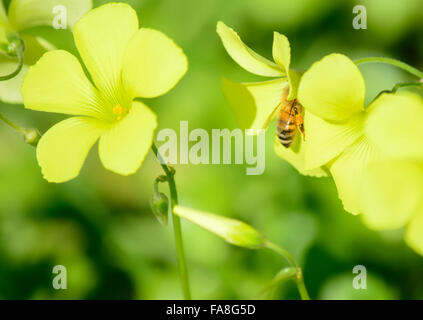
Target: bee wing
<point>272,115</point>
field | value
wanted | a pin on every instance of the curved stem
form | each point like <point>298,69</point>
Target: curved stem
<point>283,275</point>
<point>406,84</point>
<point>398,86</point>
<point>284,253</point>
<point>19,51</point>
<point>299,279</point>
<point>31,136</point>
<point>182,265</point>
<point>12,124</point>
<point>394,62</point>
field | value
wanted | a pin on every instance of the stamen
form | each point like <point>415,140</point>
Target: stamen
<point>119,111</point>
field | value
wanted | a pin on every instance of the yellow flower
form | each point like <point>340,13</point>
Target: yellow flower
<point>392,189</point>
<point>124,62</point>
<point>256,103</point>
<point>333,92</point>
<point>353,142</point>
<point>22,15</point>
<point>375,154</point>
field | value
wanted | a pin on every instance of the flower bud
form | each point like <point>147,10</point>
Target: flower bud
<point>160,207</point>
<point>13,46</point>
<point>233,231</point>
<point>31,136</point>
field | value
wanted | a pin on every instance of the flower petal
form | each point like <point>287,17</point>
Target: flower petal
<point>391,193</point>
<point>10,89</point>
<point>395,125</point>
<point>62,150</point>
<point>281,51</point>
<point>348,170</point>
<point>57,83</point>
<point>326,140</point>
<point>295,155</point>
<point>246,57</point>
<point>333,88</point>
<point>414,231</point>
<point>294,78</point>
<point>101,37</point>
<point>153,64</point>
<point>24,14</point>
<point>124,146</point>
<point>254,103</point>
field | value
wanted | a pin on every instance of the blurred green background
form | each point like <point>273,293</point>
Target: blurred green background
<point>100,225</point>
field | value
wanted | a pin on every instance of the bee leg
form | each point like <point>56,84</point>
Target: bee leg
<point>299,121</point>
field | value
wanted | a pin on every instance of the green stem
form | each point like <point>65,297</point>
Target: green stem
<point>398,86</point>
<point>301,286</point>
<point>12,124</point>
<point>31,136</point>
<point>182,265</point>
<point>406,84</point>
<point>394,62</point>
<point>299,279</point>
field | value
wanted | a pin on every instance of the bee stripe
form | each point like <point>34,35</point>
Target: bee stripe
<point>286,144</point>
<point>285,134</point>
<point>285,139</point>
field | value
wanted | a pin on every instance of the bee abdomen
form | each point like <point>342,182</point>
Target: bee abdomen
<point>286,124</point>
<point>286,136</point>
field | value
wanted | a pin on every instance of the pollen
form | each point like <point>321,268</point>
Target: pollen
<point>119,111</point>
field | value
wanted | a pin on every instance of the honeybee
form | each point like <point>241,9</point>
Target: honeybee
<point>290,119</point>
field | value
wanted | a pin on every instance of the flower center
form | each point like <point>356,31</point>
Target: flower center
<point>119,111</point>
